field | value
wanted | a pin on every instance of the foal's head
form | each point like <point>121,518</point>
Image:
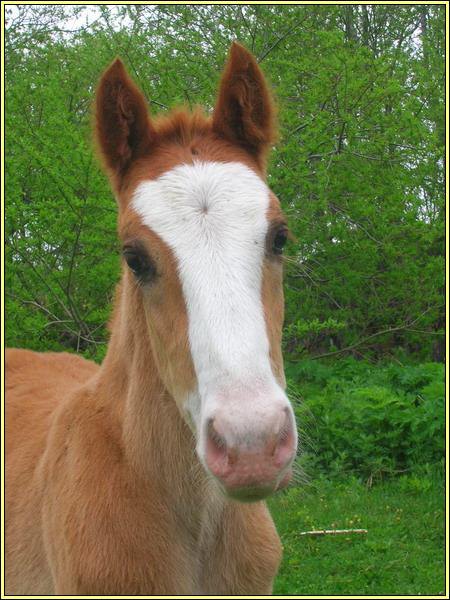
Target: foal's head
<point>202,238</point>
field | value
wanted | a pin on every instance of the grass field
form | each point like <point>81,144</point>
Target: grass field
<point>402,553</point>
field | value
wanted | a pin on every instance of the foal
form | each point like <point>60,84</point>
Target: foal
<point>127,478</point>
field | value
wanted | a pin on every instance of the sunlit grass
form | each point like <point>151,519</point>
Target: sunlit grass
<point>402,553</point>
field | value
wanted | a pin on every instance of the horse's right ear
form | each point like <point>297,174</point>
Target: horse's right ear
<point>123,128</point>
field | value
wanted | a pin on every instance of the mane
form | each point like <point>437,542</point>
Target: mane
<point>182,126</point>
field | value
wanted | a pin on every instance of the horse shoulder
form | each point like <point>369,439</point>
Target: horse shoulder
<point>36,384</point>
<point>107,531</point>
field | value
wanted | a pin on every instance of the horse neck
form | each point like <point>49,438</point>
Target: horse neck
<point>159,446</point>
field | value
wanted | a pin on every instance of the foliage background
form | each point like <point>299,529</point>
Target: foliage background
<point>359,167</point>
<point>359,170</point>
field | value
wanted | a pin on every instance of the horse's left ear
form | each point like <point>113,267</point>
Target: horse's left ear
<point>245,112</point>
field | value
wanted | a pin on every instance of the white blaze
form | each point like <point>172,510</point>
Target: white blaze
<point>213,217</point>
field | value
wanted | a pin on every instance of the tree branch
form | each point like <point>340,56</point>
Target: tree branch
<point>405,326</point>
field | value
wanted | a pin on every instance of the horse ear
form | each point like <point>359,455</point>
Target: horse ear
<point>123,128</point>
<point>245,112</point>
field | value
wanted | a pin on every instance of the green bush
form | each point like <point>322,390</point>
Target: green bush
<point>370,420</point>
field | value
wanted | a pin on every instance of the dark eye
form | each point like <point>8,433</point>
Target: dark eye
<point>139,263</point>
<point>279,241</point>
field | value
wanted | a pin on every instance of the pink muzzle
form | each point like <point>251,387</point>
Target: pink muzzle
<point>250,470</point>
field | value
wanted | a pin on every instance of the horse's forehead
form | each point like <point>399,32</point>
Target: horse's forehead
<point>214,218</point>
<point>205,205</point>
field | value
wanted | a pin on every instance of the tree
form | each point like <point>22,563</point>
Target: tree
<point>359,167</point>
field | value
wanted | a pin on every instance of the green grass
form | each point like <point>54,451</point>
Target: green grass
<point>402,553</point>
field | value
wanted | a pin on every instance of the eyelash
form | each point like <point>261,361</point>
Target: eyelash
<point>139,263</point>
<point>279,240</point>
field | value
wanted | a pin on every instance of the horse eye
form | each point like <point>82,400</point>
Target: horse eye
<point>139,263</point>
<point>279,241</point>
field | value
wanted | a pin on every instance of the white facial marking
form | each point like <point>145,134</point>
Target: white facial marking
<point>213,217</point>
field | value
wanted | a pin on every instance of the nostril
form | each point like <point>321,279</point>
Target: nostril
<point>216,444</point>
<point>285,435</point>
<point>232,456</point>
<point>214,436</point>
<point>272,445</point>
<point>285,446</point>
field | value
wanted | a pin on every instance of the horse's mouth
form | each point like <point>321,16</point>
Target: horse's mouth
<point>255,492</point>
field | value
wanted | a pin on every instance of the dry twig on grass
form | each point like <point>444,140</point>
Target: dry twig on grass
<point>332,531</point>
